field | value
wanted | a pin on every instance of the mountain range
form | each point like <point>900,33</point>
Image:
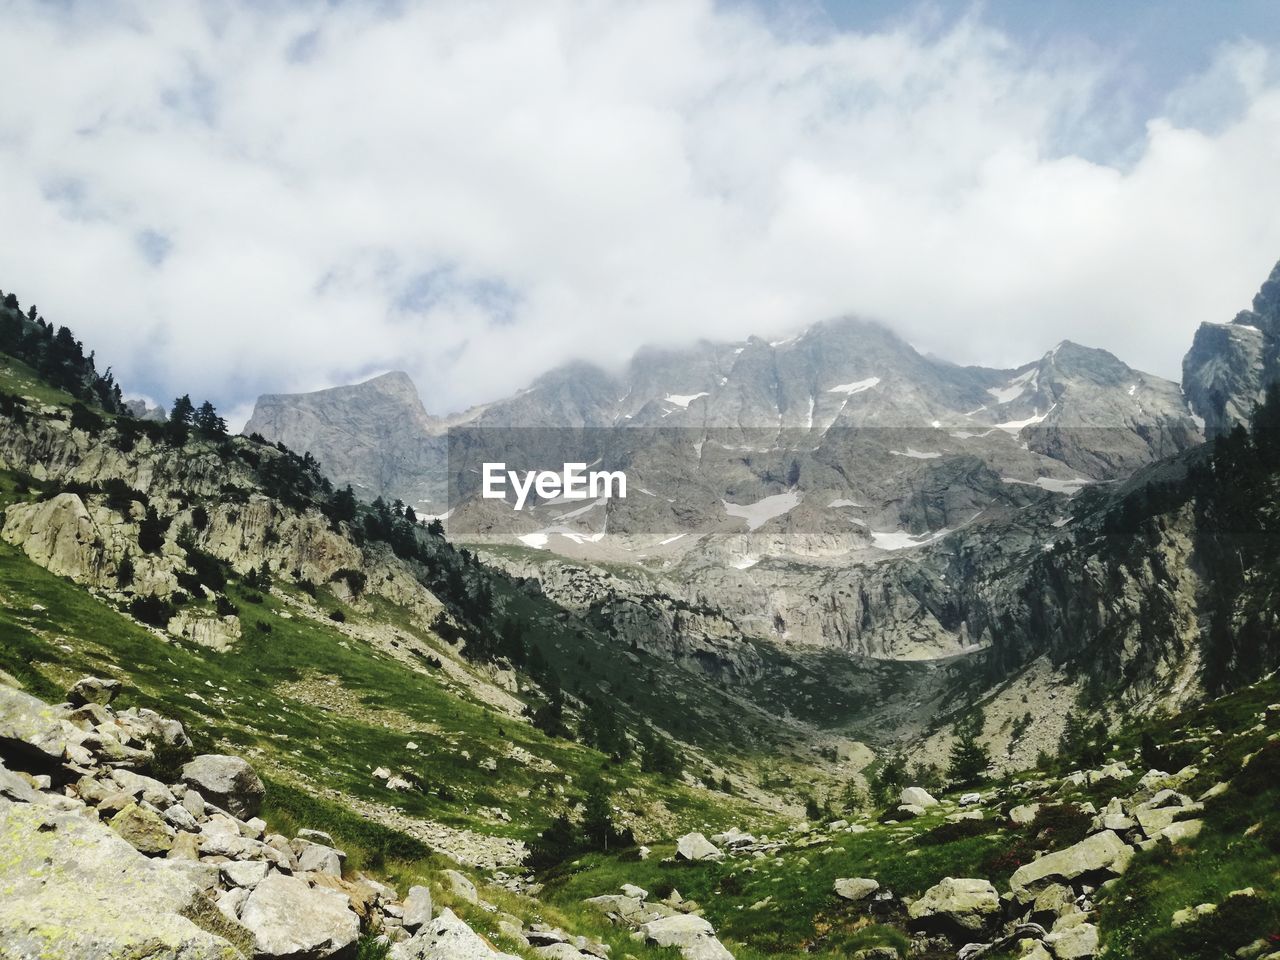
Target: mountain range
<point>920,627</point>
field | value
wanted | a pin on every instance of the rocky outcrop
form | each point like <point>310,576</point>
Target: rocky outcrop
<point>374,435</point>
<point>73,888</point>
<point>100,861</point>
<point>1226,372</point>
<point>1103,855</point>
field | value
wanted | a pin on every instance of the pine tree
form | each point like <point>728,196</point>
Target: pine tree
<point>207,421</point>
<point>183,410</point>
<point>969,758</point>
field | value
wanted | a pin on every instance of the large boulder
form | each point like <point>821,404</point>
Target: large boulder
<point>32,731</point>
<point>917,797</point>
<point>226,782</point>
<point>956,905</point>
<point>1024,813</point>
<point>447,938</point>
<point>1073,938</point>
<point>73,888</point>
<point>459,885</point>
<point>290,919</point>
<point>856,888</point>
<point>93,690</point>
<point>1101,856</point>
<point>695,846</point>
<point>416,908</point>
<point>692,935</point>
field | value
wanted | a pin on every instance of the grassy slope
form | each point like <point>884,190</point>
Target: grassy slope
<point>806,918</point>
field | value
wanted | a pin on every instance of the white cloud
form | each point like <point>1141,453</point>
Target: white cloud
<point>233,198</point>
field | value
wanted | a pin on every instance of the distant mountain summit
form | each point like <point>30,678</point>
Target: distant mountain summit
<point>1076,413</point>
<point>370,435</point>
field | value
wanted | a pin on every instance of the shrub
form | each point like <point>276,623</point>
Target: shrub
<point>337,616</point>
<point>152,610</point>
<point>1262,772</point>
<point>355,580</point>
<point>1060,824</point>
<point>167,761</point>
<point>124,573</point>
<point>959,830</point>
<point>151,532</point>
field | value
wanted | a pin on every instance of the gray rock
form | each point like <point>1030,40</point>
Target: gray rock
<point>1073,938</point>
<point>245,873</point>
<point>695,846</point>
<point>459,885</point>
<point>227,782</point>
<point>194,803</point>
<point>93,690</point>
<point>144,830</point>
<point>917,797</point>
<point>416,908</point>
<point>447,938</point>
<point>73,888</point>
<point>1101,855</point>
<point>1024,814</point>
<point>316,858</point>
<point>956,905</point>
<point>179,817</point>
<point>144,788</point>
<point>856,888</point>
<point>693,936</point>
<point>290,919</point>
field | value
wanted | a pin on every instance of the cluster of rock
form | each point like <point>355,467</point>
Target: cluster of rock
<point>100,860</point>
<point>670,922</point>
<point>1047,911</point>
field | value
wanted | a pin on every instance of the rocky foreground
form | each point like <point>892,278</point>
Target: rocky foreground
<point>103,856</point>
<point>99,860</point>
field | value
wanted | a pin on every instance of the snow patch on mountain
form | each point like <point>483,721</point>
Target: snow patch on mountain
<point>857,386</point>
<point>762,511</point>
<point>684,399</point>
<point>902,540</point>
<point>1015,387</point>
<point>1013,426</point>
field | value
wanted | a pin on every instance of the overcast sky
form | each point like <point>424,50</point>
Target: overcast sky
<point>234,198</point>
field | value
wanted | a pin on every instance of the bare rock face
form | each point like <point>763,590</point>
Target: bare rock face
<point>216,633</point>
<point>61,536</point>
<point>75,889</point>
<point>375,435</point>
<point>1226,372</point>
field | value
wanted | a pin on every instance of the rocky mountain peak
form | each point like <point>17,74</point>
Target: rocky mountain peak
<point>1226,372</point>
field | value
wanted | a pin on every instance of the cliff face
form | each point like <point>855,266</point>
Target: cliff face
<point>1226,372</point>
<point>375,436</point>
<point>94,538</point>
